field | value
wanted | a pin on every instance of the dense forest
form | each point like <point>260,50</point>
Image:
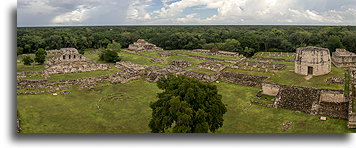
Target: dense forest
<point>243,39</point>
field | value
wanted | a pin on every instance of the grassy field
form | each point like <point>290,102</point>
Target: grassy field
<point>78,112</point>
<point>205,55</point>
<point>79,75</point>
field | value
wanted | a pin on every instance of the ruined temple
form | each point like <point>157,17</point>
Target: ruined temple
<point>312,61</point>
<point>69,60</point>
<point>343,58</point>
<point>142,45</point>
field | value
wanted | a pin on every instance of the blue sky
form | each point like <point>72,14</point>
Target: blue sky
<point>182,12</point>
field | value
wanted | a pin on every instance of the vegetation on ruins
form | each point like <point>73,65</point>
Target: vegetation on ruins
<point>187,104</point>
<point>109,56</point>
<point>27,60</point>
<point>256,38</point>
<point>40,56</point>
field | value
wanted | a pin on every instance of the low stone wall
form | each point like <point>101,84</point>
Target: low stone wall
<point>181,63</point>
<point>335,80</point>
<point>201,76</point>
<point>212,59</point>
<point>297,98</point>
<point>276,54</point>
<point>242,79</point>
<point>212,66</point>
<point>259,66</point>
<point>271,59</point>
<point>219,52</point>
<point>334,110</point>
<point>270,89</point>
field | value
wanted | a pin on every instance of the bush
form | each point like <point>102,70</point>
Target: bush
<point>115,46</point>
<point>27,60</point>
<point>109,56</point>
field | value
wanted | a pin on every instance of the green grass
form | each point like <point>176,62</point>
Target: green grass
<point>153,54</point>
<point>33,67</point>
<point>138,59</point>
<point>257,73</point>
<point>276,57</point>
<point>226,57</point>
<point>33,77</point>
<point>77,112</point>
<point>79,75</point>
<point>289,77</point>
<point>204,71</point>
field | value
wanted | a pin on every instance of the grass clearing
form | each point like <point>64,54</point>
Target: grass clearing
<point>79,75</point>
<point>225,57</point>
<point>77,112</point>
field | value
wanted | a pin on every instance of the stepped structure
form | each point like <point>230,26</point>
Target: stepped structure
<point>142,45</point>
<point>312,61</point>
<point>343,58</point>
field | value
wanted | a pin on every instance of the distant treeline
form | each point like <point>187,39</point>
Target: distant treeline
<point>243,39</point>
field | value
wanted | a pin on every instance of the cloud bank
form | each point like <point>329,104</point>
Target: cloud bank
<point>148,12</point>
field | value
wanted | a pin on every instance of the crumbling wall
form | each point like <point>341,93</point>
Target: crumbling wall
<point>242,79</point>
<point>334,109</point>
<point>212,66</point>
<point>297,98</point>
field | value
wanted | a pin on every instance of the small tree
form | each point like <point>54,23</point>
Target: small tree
<point>114,46</point>
<point>188,104</point>
<point>27,60</point>
<point>109,56</point>
<point>40,56</point>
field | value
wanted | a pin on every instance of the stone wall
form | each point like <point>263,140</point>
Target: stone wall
<point>201,76</point>
<point>312,60</point>
<point>218,52</point>
<point>275,54</point>
<point>343,58</point>
<point>259,66</point>
<point>334,109</point>
<point>270,89</point>
<point>242,79</point>
<point>212,66</point>
<point>212,59</point>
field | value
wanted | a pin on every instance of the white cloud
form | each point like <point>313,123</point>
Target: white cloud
<point>78,15</point>
<point>244,12</point>
<point>137,10</point>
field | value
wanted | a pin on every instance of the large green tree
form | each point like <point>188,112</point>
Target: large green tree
<point>187,105</point>
<point>333,43</point>
<point>40,56</point>
<point>27,60</point>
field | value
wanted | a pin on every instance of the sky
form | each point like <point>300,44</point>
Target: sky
<point>185,12</point>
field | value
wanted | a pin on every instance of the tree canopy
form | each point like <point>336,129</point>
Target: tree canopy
<point>187,104</point>
<point>27,60</point>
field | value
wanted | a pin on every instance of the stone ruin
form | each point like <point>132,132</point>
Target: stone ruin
<point>212,66</point>
<point>181,63</point>
<point>312,61</point>
<point>308,100</point>
<point>166,54</point>
<point>68,60</point>
<point>259,66</point>
<point>335,80</point>
<point>142,45</point>
<point>343,58</point>
<point>242,79</point>
<point>216,51</point>
<point>131,67</point>
<point>154,73</point>
<point>275,54</point>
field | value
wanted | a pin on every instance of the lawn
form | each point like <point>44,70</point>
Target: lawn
<point>78,112</point>
<point>79,75</point>
<point>224,57</point>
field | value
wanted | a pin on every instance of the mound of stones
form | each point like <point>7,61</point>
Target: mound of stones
<point>333,80</point>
